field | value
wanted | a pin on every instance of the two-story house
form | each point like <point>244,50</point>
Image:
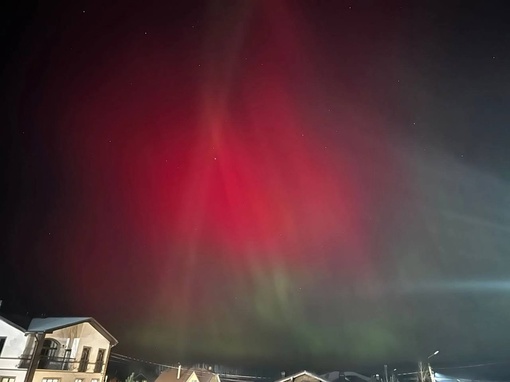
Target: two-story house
<point>53,349</point>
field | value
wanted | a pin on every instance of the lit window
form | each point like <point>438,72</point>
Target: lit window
<point>8,379</point>
<point>51,380</point>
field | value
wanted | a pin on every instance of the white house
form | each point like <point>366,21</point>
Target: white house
<point>53,349</point>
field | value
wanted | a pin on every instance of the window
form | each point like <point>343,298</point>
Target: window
<point>2,343</point>
<point>66,361</point>
<point>50,348</point>
<point>7,379</point>
<point>84,360</point>
<point>98,367</point>
<point>78,380</point>
<point>49,354</point>
<point>94,380</point>
<point>51,380</point>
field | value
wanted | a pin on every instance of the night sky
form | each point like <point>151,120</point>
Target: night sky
<point>307,184</point>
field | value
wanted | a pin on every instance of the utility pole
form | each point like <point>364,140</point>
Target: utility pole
<point>420,371</point>
<point>431,373</point>
<point>36,356</point>
<point>386,373</point>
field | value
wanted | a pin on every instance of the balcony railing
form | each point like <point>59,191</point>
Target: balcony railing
<point>54,363</point>
<point>63,363</point>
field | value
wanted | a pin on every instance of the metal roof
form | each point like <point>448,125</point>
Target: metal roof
<point>50,324</point>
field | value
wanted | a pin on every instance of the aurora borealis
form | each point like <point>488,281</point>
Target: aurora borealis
<point>259,182</point>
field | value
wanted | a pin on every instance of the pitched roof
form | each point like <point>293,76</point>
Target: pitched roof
<point>49,324</point>
<point>17,321</point>
<point>207,376</point>
<point>170,375</point>
<point>54,323</point>
<point>338,376</point>
<point>304,372</point>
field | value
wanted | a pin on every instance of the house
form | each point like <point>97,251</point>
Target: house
<point>347,376</point>
<point>53,349</point>
<point>181,374</point>
<point>205,375</point>
<point>302,376</point>
<point>121,369</point>
<point>178,374</point>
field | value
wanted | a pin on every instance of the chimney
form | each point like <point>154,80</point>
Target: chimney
<point>179,372</point>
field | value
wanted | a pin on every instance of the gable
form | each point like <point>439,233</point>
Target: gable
<point>303,376</point>
<point>52,324</point>
<point>6,325</point>
<point>192,378</point>
<point>14,340</point>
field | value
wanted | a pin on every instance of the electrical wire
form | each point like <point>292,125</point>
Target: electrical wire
<point>225,376</point>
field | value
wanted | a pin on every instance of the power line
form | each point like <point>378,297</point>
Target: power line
<point>460,367</point>
<point>128,358</point>
<point>473,365</point>
<point>225,376</point>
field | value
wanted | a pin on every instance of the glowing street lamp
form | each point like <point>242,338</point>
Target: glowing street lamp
<point>433,354</point>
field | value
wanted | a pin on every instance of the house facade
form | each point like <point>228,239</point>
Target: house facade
<point>303,376</point>
<point>54,349</point>
<point>12,346</point>
<point>179,374</point>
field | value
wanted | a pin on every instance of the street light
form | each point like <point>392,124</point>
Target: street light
<point>433,354</point>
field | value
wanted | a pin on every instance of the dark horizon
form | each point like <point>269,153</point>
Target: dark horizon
<point>261,183</point>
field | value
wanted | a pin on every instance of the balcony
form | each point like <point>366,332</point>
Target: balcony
<point>55,363</point>
<point>49,363</point>
<point>63,363</point>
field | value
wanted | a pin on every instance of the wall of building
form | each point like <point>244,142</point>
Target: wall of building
<point>305,378</point>
<point>76,338</point>
<point>66,376</point>
<point>10,357</point>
